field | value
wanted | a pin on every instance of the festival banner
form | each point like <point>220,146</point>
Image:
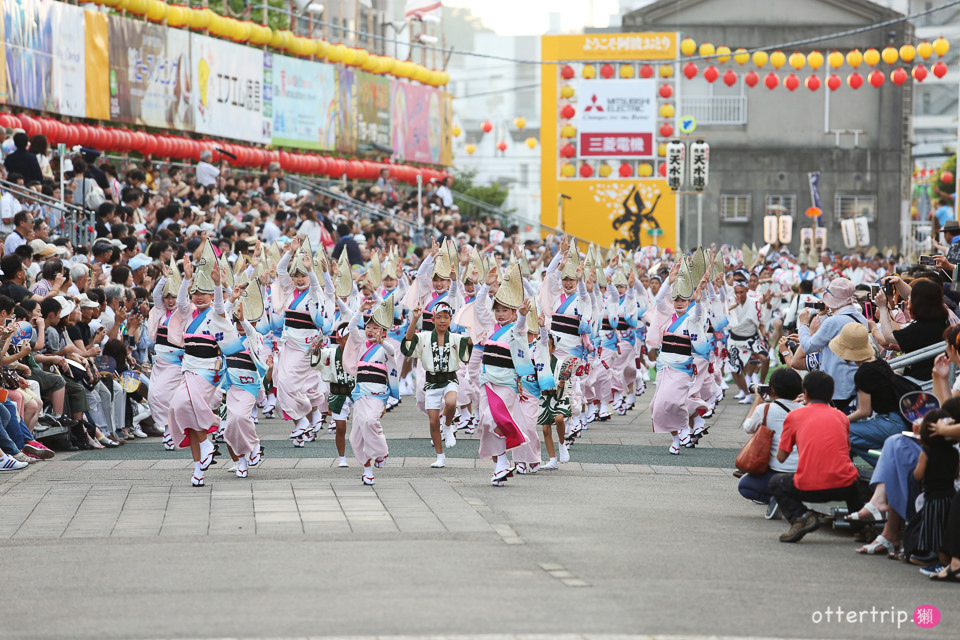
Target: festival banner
<point>346,110</point>
<point>304,102</point>
<point>28,44</point>
<point>97,58</point>
<point>618,118</point>
<point>228,96</point>
<point>3,62</point>
<point>373,109</point>
<point>417,118</point>
<point>446,142</point>
<point>149,74</point>
<point>68,80</point>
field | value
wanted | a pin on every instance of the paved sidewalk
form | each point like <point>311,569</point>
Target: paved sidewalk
<point>624,539</point>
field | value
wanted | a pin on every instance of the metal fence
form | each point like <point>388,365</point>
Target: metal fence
<point>717,110</point>
<point>76,222</point>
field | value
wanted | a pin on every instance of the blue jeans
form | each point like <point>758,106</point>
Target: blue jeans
<point>753,487</point>
<point>872,433</point>
<point>7,445</point>
<point>18,431</point>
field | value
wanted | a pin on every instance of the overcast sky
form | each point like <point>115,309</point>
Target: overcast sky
<point>532,17</point>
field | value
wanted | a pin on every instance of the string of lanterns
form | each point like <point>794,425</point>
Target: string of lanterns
<point>486,126</point>
<point>180,148</point>
<point>907,54</point>
<point>249,32</point>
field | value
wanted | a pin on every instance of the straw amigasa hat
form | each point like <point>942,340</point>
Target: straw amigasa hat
<point>474,272</point>
<point>172,286</point>
<point>684,286</point>
<point>202,280</point>
<point>698,265</point>
<point>383,313</point>
<point>343,283</point>
<point>573,261</point>
<point>619,278</point>
<point>852,343</point>
<point>296,262</point>
<point>510,293</point>
<point>374,272</point>
<point>443,268</point>
<point>252,301</point>
<point>533,322</point>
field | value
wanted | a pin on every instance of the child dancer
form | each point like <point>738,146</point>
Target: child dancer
<point>330,362</point>
<point>555,409</point>
<point>165,327</point>
<point>536,378</point>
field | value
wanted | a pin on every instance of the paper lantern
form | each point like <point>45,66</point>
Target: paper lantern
<point>662,150</point>
<point>605,170</point>
<point>791,82</point>
<point>502,146</point>
<point>812,83</point>
<point>919,72</point>
<point>898,77</point>
<point>760,58</point>
<point>567,72</point>
<point>741,56</point>
<point>456,131</point>
<point>589,71</point>
<point>666,130</point>
<point>645,170</point>
<point>815,60</point>
<point>908,52</point>
<point>567,112</point>
<point>855,81</point>
<point>566,151</point>
<point>797,60</point>
<point>778,59</point>
<point>665,71</point>
<point>751,78</point>
<point>568,170</point>
<point>470,148</point>
<point>568,131</point>
<point>666,111</point>
<point>663,171</point>
<point>200,19</point>
<point>486,126</point>
<point>531,142</point>
<point>924,49</point>
<point>625,170</point>
<point>690,70</point>
<point>646,71</point>
<point>871,56</point>
<point>156,11</point>
<point>688,46</point>
<point>566,92</point>
<point>138,7</point>
<point>946,178</point>
<point>772,81</point>
<point>835,59</point>
<point>730,78</point>
<point>890,55</point>
<point>626,71</point>
<point>834,82</point>
<point>940,69</point>
<point>520,122</point>
<point>666,91</point>
<point>707,50</point>
<point>941,46</point>
<point>723,54</point>
<point>813,212</point>
<point>854,58</point>
<point>875,78</point>
<point>710,74</point>
<point>337,51</point>
<point>607,70</point>
<point>586,170</point>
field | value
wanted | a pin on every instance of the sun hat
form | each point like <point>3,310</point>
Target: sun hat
<point>839,293</point>
<point>852,343</point>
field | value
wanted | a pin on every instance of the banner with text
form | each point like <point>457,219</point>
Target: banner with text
<point>68,74</point>
<point>373,109</point>
<point>304,102</point>
<point>617,119</point>
<point>417,119</point>
<point>28,48</point>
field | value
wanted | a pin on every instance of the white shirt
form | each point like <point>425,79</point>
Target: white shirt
<point>445,195</point>
<point>775,417</point>
<point>271,232</point>
<point>9,207</point>
<point>14,240</point>
<point>312,230</point>
<point>206,174</point>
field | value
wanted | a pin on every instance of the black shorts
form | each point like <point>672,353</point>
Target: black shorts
<point>49,382</point>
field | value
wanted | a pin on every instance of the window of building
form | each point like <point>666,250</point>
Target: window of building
<point>854,206</point>
<point>784,204</point>
<point>735,207</point>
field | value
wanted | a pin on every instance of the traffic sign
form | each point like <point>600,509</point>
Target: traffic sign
<point>687,125</point>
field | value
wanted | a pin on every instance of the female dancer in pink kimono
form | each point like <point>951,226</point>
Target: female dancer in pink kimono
<point>166,330</point>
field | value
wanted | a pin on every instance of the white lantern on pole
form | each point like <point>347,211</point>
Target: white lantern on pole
<point>786,229</point>
<point>699,164</point>
<point>821,239</point>
<point>770,229</point>
<point>675,156</point>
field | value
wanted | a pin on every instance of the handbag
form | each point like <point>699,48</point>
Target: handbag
<point>754,457</point>
<point>9,379</point>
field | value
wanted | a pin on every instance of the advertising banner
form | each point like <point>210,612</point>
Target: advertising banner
<point>228,90</point>
<point>97,57</point>
<point>346,110</point>
<point>28,44</point>
<point>617,118</point>
<point>417,120</point>
<point>304,102</point>
<point>373,109</point>
<point>68,80</point>
<point>149,74</point>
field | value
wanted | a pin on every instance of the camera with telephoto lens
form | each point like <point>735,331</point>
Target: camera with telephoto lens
<point>819,306</point>
<point>792,345</point>
<point>762,389</point>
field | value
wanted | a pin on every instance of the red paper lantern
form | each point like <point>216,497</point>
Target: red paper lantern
<point>710,74</point>
<point>940,69</point>
<point>625,170</point>
<point>946,177</point>
<point>690,70</point>
<point>607,70</point>
<point>812,83</point>
<point>567,112</point>
<point>568,150</point>
<point>663,170</point>
<point>30,126</point>
<point>646,71</point>
<point>567,72</point>
<point>855,81</point>
<point>919,73</point>
<point>487,126</point>
<point>834,82</point>
<point>666,91</point>
<point>502,145</point>
<point>791,82</point>
<point>875,78</point>
<point>730,78</point>
<point>772,81</point>
<point>586,171</point>
<point>898,77</point>
<point>751,78</point>
<point>666,130</point>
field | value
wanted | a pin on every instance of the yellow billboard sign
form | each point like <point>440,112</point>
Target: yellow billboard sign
<point>613,46</point>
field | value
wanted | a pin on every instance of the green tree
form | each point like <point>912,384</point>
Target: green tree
<point>492,195</point>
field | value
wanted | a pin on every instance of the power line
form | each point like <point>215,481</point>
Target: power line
<point>496,91</point>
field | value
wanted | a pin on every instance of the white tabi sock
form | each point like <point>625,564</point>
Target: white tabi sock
<point>441,458</point>
<point>631,399</point>
<point>316,417</point>
<point>368,471</point>
<point>242,464</point>
<point>197,471</point>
